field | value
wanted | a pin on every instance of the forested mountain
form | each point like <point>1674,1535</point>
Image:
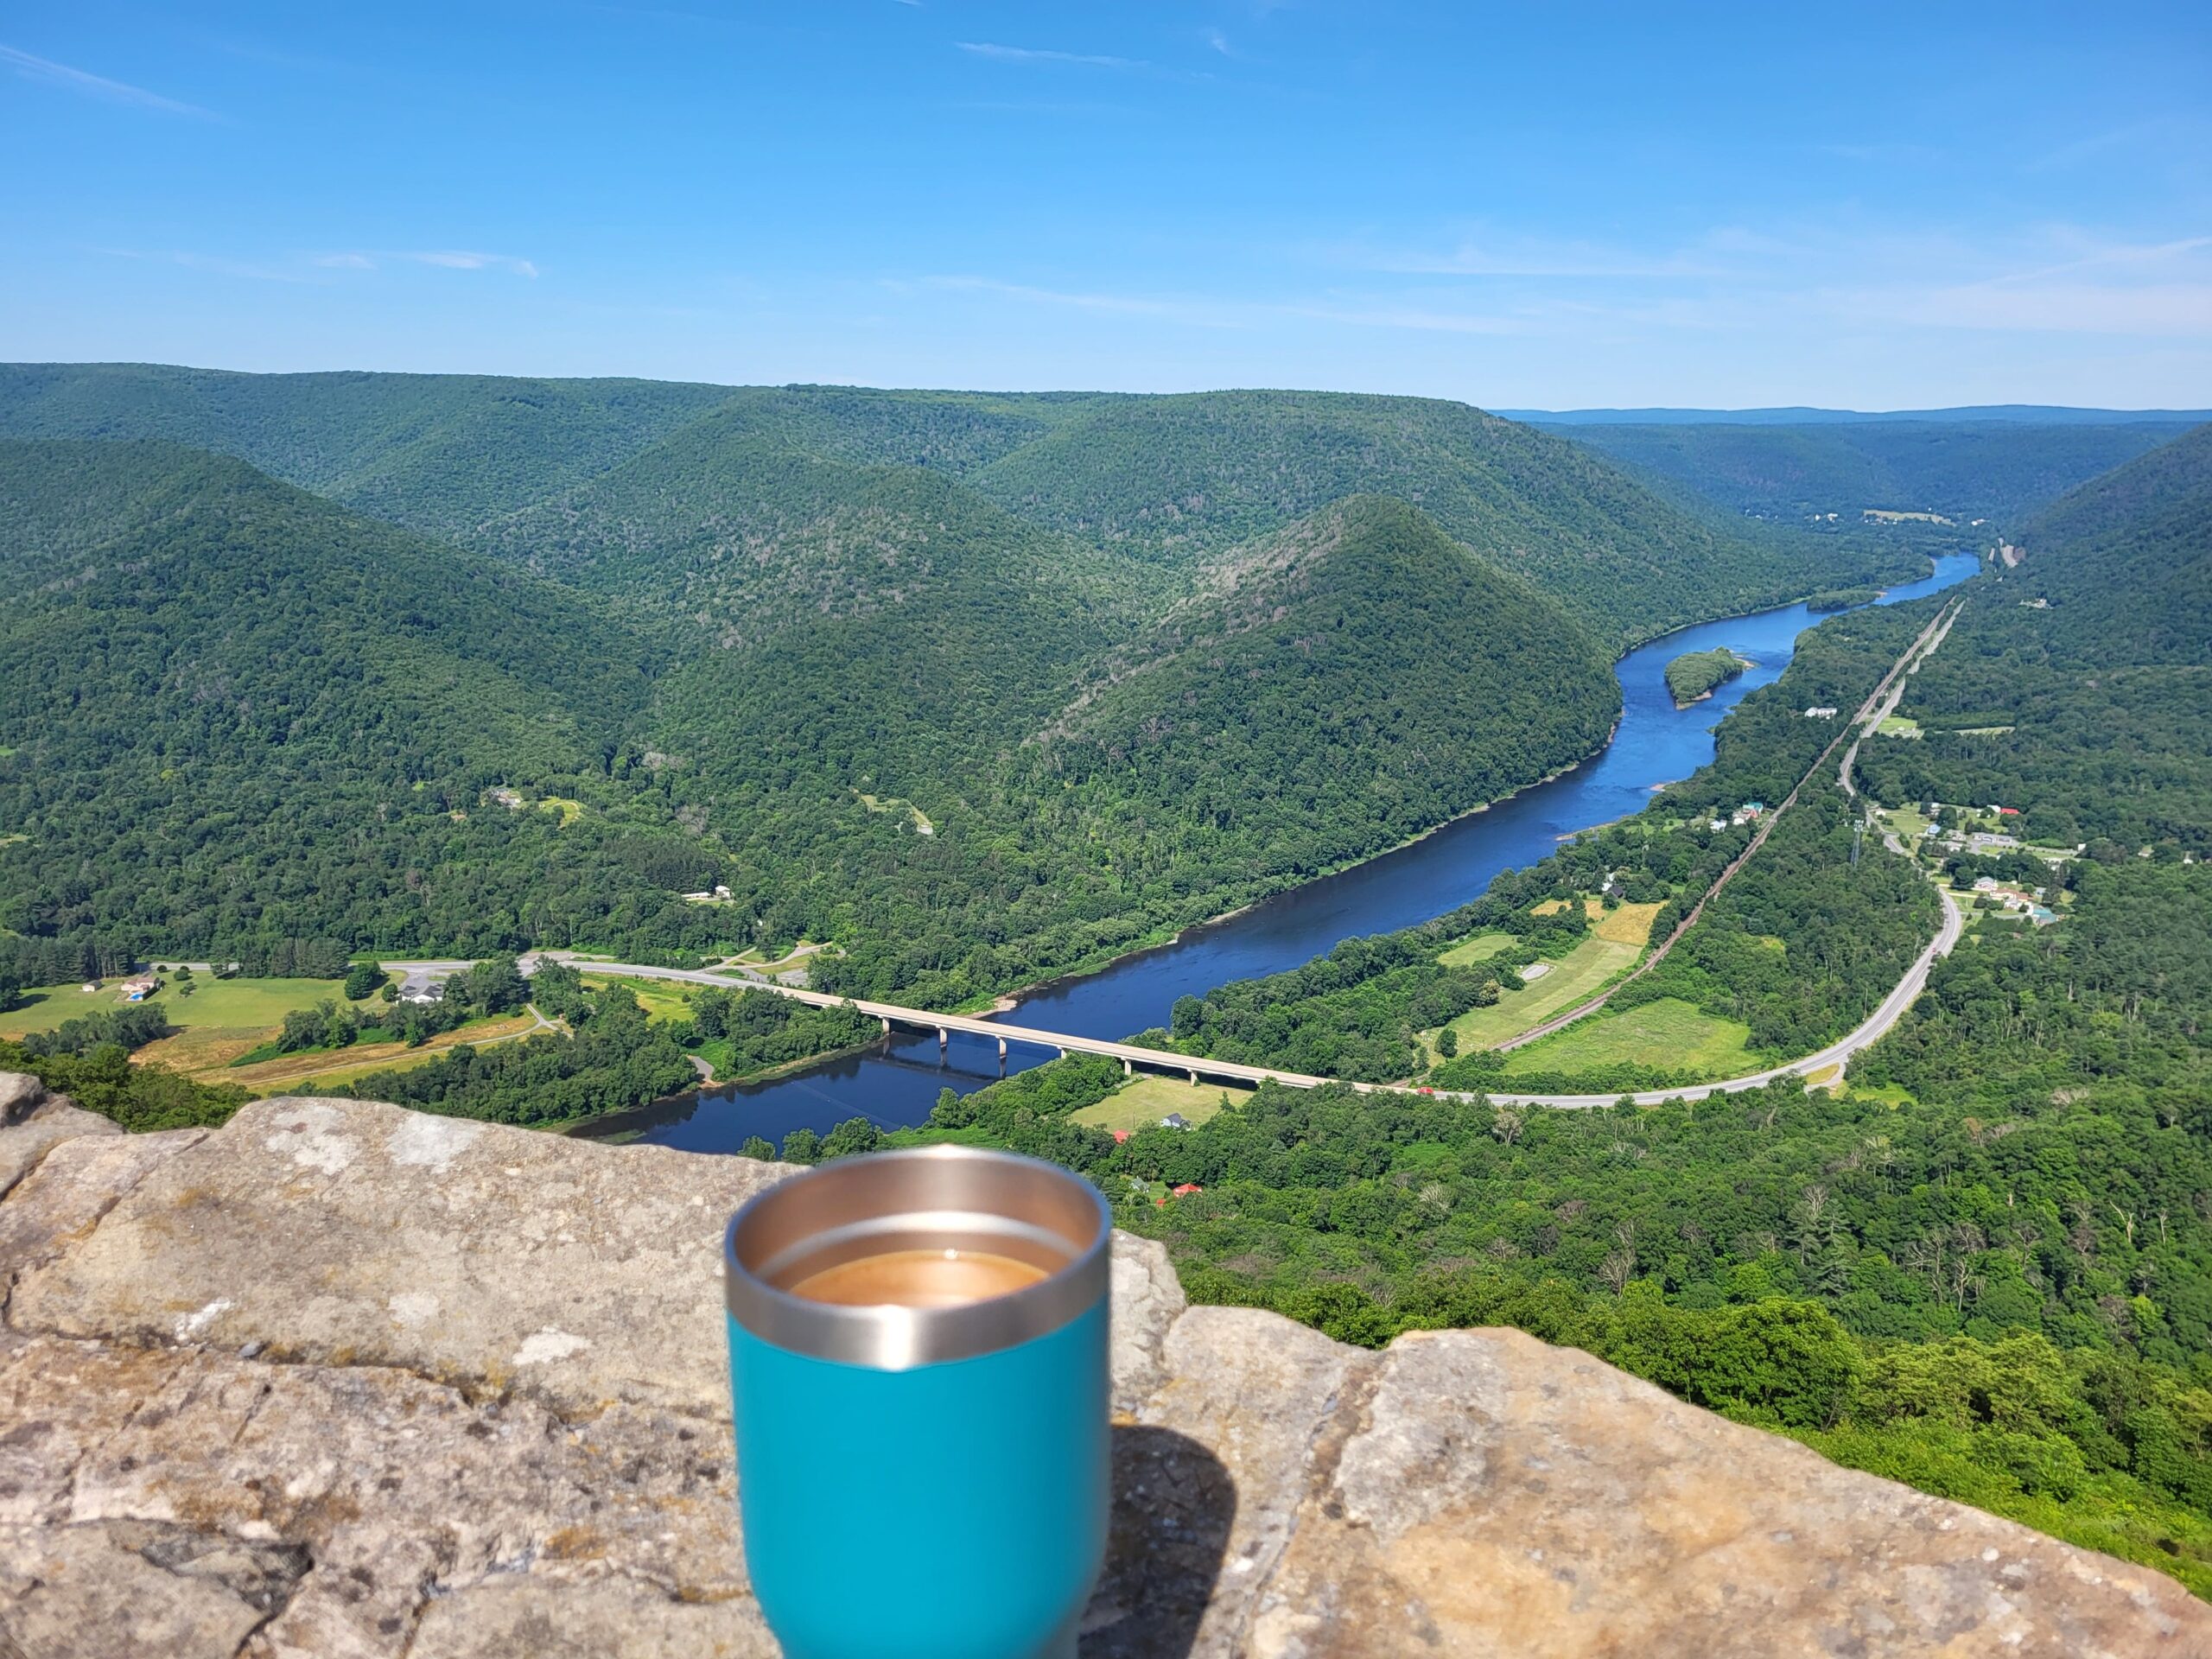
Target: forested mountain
<point>1038,776</point>
<point>440,453</point>
<point>248,712</point>
<point>1176,478</point>
<point>1984,1267</point>
<point>1963,470</point>
<point>1357,669</point>
<point>980,687</point>
<point>878,709</point>
<point>2074,691</point>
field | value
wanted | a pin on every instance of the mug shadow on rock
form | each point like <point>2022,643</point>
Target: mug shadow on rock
<point>1173,1506</point>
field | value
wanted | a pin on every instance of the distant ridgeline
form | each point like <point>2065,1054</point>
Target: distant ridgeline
<point>1985,1267</point>
<point>1975,470</point>
<point>978,687</point>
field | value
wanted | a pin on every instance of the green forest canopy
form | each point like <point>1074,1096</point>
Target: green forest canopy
<point>288,721</point>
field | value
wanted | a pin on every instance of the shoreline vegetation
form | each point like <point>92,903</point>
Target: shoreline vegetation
<point>1841,599</point>
<point>1697,675</point>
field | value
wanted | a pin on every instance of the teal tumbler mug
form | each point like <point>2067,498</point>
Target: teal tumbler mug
<point>917,1369</point>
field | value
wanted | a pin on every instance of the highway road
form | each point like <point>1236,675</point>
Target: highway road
<point>1197,1067</point>
<point>1878,704</point>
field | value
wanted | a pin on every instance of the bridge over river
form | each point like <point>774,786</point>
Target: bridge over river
<point>1200,1068</point>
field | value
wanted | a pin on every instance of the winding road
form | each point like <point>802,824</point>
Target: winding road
<point>1196,1067</point>
<point>1877,706</point>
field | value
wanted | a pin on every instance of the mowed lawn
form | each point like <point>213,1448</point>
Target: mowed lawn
<point>1572,977</point>
<point>1616,939</point>
<point>1481,947</point>
<point>237,1004</point>
<point>1670,1033</point>
<point>1148,1097</point>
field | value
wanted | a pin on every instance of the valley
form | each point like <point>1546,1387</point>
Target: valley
<point>1309,770</point>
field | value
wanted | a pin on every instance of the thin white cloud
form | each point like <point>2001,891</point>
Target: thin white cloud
<point>449,260</point>
<point>99,86</point>
<point>999,53</point>
<point>996,53</point>
<point>1219,41</point>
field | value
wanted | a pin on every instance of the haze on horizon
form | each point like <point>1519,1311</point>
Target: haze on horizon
<point>1903,208</point>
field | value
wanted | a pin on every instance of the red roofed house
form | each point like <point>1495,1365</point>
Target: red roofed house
<point>1187,1188</point>
<point>2008,811</point>
<point>1119,1135</point>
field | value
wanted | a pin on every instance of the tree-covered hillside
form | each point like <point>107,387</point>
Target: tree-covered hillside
<point>1962,470</point>
<point>876,708</point>
<point>2074,691</point>
<point>1176,478</point>
<point>247,712</point>
<point>1334,688</point>
<point>439,453</point>
<point>1980,1262</point>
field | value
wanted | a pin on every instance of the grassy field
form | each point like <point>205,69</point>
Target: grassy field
<point>1669,1033</point>
<point>290,1074</point>
<point>238,1004</point>
<point>659,998</point>
<point>1573,977</point>
<point>1481,947</point>
<point>1630,924</point>
<point>1908,823</point>
<point>206,1053</point>
<point>1149,1098</point>
<point>1898,726</point>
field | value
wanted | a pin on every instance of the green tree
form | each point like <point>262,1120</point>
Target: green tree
<point>855,1134</point>
<point>362,980</point>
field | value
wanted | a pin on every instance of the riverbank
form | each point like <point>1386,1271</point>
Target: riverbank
<point>1007,1001</point>
<point>896,1082</point>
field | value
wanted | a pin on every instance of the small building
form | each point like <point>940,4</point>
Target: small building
<point>1119,1135</point>
<point>1820,713</point>
<point>423,992</point>
<point>138,990</point>
<point>1187,1188</point>
<point>1174,1120</point>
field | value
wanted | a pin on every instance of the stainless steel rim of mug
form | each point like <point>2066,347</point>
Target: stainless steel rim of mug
<point>922,1198</point>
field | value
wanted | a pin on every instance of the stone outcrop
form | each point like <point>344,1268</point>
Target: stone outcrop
<point>338,1379</point>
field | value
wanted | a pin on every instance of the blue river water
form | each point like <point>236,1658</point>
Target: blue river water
<point>896,1082</point>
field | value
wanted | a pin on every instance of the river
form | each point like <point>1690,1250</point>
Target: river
<point>895,1081</point>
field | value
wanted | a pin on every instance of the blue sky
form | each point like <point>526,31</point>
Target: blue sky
<point>1523,205</point>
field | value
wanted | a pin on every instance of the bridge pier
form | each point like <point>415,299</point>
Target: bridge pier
<point>1001,1051</point>
<point>1128,1068</point>
<point>1194,1077</point>
<point>943,1037</point>
<point>887,1025</point>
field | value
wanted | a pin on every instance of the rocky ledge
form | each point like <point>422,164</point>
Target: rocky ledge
<point>340,1379</point>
